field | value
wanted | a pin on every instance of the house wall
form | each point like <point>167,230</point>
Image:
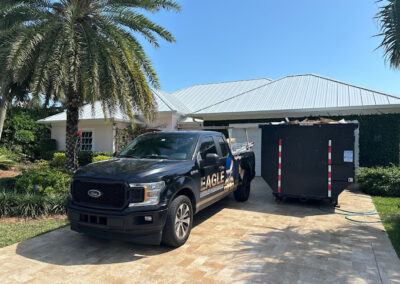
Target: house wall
<point>103,138</point>
<point>165,121</point>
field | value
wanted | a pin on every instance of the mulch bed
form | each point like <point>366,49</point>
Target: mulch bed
<point>13,220</point>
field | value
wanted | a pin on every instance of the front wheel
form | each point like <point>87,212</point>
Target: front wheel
<point>179,222</point>
<point>243,191</point>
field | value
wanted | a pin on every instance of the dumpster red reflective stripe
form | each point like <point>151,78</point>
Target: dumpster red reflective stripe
<point>330,168</point>
<point>280,166</point>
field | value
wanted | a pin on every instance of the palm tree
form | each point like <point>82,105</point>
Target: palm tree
<point>84,51</point>
<point>389,17</point>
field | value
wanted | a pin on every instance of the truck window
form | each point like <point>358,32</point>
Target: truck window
<point>207,146</point>
<point>223,146</point>
<point>161,146</point>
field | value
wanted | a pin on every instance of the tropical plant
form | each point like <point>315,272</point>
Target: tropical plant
<point>83,51</point>
<point>389,17</point>
<point>6,163</point>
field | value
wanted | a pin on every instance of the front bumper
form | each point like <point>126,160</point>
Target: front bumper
<point>122,225</point>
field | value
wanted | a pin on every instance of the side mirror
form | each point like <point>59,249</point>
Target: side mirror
<point>211,159</point>
<point>116,153</point>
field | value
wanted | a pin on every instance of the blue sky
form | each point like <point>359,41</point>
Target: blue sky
<point>224,40</point>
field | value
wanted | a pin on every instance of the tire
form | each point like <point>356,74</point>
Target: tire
<point>174,233</point>
<point>243,191</point>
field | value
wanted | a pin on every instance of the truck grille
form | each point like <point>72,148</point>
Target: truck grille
<point>113,194</point>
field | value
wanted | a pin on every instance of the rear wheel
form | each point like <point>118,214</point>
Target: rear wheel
<point>179,222</point>
<point>243,191</point>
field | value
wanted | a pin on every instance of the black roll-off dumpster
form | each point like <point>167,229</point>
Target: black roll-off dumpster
<point>307,160</point>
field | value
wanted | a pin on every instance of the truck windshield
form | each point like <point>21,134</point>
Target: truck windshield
<point>161,146</point>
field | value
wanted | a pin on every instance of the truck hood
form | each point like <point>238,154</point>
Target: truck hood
<point>132,170</point>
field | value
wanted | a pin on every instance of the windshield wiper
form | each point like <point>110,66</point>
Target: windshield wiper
<point>161,157</point>
<point>130,156</point>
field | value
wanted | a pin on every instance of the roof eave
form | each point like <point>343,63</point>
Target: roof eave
<point>338,111</point>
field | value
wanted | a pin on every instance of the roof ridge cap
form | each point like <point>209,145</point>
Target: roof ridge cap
<point>164,100</point>
<point>216,83</point>
<point>238,95</point>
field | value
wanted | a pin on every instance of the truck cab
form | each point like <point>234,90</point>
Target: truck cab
<point>150,191</point>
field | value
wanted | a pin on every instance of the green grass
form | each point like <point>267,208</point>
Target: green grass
<point>11,233</point>
<point>389,211</point>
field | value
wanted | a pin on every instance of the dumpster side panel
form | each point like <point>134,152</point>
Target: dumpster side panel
<point>304,163</point>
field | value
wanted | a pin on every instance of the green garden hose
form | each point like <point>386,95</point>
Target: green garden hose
<point>348,217</point>
<point>348,214</point>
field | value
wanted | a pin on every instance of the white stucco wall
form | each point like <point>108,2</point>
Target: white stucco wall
<point>104,131</point>
<point>164,121</point>
<point>103,135</point>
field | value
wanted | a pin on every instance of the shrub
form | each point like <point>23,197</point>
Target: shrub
<point>49,155</point>
<point>97,153</point>
<point>6,163</point>
<point>85,157</point>
<point>100,158</point>
<point>21,131</point>
<point>4,151</point>
<point>43,179</point>
<point>31,205</point>
<point>381,181</point>
<point>7,184</point>
<point>24,136</point>
<point>58,160</point>
<point>47,145</point>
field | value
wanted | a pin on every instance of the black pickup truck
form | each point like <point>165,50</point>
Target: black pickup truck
<point>149,192</point>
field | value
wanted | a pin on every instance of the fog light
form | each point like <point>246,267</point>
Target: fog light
<point>148,218</point>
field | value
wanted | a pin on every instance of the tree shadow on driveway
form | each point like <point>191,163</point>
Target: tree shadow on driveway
<point>342,255</point>
<point>65,247</point>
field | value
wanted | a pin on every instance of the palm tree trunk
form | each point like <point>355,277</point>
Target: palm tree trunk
<point>3,112</point>
<point>71,153</point>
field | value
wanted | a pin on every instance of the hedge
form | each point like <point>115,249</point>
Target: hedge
<point>31,205</point>
<point>100,158</point>
<point>379,181</point>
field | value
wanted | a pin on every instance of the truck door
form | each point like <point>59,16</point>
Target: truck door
<point>227,163</point>
<point>212,176</point>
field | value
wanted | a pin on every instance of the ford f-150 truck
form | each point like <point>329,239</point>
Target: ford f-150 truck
<point>149,192</point>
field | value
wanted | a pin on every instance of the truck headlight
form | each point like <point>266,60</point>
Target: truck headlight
<point>151,193</point>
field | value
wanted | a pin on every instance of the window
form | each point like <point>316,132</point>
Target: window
<point>161,146</point>
<point>86,141</point>
<point>224,146</point>
<point>207,146</point>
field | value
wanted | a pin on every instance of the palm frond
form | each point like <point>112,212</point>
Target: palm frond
<point>389,18</point>
<point>149,5</point>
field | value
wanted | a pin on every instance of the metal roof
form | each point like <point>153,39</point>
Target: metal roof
<point>291,96</point>
<point>89,113</point>
<point>198,97</point>
<point>304,95</point>
<point>169,102</point>
<point>165,103</point>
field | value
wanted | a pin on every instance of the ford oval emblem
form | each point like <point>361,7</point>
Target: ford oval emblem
<point>94,193</point>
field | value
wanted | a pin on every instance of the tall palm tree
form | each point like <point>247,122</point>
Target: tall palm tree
<point>389,17</point>
<point>85,51</point>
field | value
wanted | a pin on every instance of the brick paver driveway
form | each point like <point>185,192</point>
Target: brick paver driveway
<point>255,241</point>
